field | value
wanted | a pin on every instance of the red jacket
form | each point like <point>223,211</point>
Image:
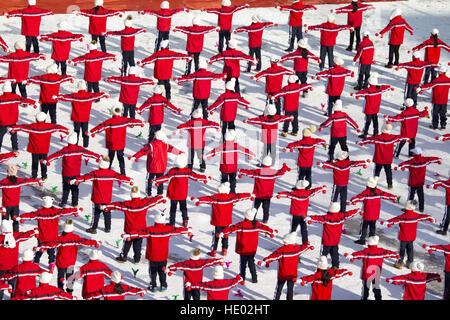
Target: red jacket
<point>319,290</point>
<point>372,202</point>
<point>102,185</point>
<point>71,159</point>
<point>300,63</point>
<point>195,36</point>
<point>255,32</point>
<point>228,102</point>
<point>432,49</point>
<point>48,220</point>
<point>418,169</point>
<point>332,225</point>
<point>306,148</point>
<point>373,97</point>
<point>116,131</point>
<point>156,104</point>
<point>296,11</point>
<point>98,19</point>
<point>441,87</point>
<point>336,79</point>
<point>291,95</point>
<point>163,59</point>
<point>269,126</point>
<point>202,82</point>
<point>135,211</point>
<point>300,199</point>
<point>93,64</point>
<point>156,152</point>
<point>410,121</point>
<point>6,156</point>
<point>25,275</point>
<point>9,107</point>
<point>397,27</point>
<point>10,256</point>
<point>274,77</point>
<point>222,206</point>
<point>197,129</point>
<point>229,152</point>
<point>415,69</point>
<point>408,224</point>
<point>109,292</point>
<point>218,289</point>
<point>158,237</point>
<point>44,291</point>
<point>82,103</point>
<point>231,58</point>
<point>31,19</point>
<point>341,170</point>
<point>225,15</point>
<point>372,258</point>
<point>93,274</point>
<point>178,179</point>
<point>445,249</point>
<point>288,257</point>
<point>61,43</point>
<point>19,64</point>
<point>384,146</point>
<point>129,87</point>
<point>247,235</point>
<point>40,135</point>
<point>354,17</point>
<point>264,179</point>
<point>329,32</point>
<point>446,185</point>
<point>50,84</point>
<point>193,269</point>
<point>3,45</point>
<point>365,52</point>
<point>11,191</point>
<point>127,37</point>
<point>164,17</point>
<point>415,283</point>
<point>338,122</point>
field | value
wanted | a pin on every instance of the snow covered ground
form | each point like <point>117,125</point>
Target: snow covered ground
<point>421,15</point>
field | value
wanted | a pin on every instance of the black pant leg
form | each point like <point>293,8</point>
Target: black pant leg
<point>173,212</point>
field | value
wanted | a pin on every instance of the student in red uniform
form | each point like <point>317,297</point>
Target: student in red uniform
<point>255,32</point>
<point>31,23</point>
<point>396,26</point>
<point>193,271</point>
<point>127,40</point>
<point>116,290</point>
<point>445,184</point>
<point>164,21</point>
<point>45,291</point>
<point>364,53</point>
<point>322,280</point>
<point>371,206</point>
<point>265,178</point>
<point>103,179</point>
<point>158,237</point>
<point>372,262</point>
<point>415,283</point>
<point>222,213</point>
<point>98,17</point>
<point>61,44</point>
<point>40,134</point>
<point>135,211</point>
<point>194,43</point>
<point>445,249</point>
<point>247,241</point>
<point>225,20</point>
<point>288,257</point>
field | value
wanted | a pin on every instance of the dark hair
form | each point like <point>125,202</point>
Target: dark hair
<point>118,288</point>
<point>435,40</point>
<point>96,8</point>
<point>326,278</point>
<point>355,6</point>
<point>13,179</point>
<point>373,190</point>
<point>304,53</point>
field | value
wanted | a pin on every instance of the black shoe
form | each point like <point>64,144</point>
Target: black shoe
<point>202,169</point>
<point>357,88</point>
<point>254,280</point>
<point>136,261</point>
<point>360,241</point>
<point>91,230</point>
<point>107,230</point>
<point>444,233</point>
<point>121,259</point>
<point>442,127</point>
<point>389,65</point>
<point>349,48</point>
<point>362,136</point>
<point>289,49</point>
<point>432,127</point>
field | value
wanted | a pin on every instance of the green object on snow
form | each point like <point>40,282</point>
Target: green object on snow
<point>398,199</point>
<point>175,296</point>
<point>140,135</point>
<point>135,271</point>
<point>87,217</point>
<point>54,189</point>
<point>24,164</point>
<point>117,242</point>
<point>359,172</point>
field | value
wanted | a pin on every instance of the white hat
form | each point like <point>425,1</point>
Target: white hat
<point>116,277</point>
<point>271,109</point>
<point>195,21</point>
<point>387,128</point>
<point>157,90</point>
<point>116,110</point>
<point>290,238</point>
<point>195,254</point>
<point>230,85</point>
<point>302,184</point>
<point>373,241</point>
<point>98,3</point>
<point>53,68</point>
<point>132,70</point>
<point>218,272</point>
<point>292,78</point>
<point>322,263</point>
<point>226,3</point>
<point>7,226</point>
<point>95,254</point>
<point>274,59</point>
<point>410,205</point>
<point>417,150</point>
<point>303,43</point>
<point>81,85</point>
<point>197,113</point>
<point>230,135</point>
<point>47,202</point>
<point>435,31</point>
<point>27,255</point>
<point>160,135</point>
<point>72,138</point>
<point>19,45</point>
<point>181,161</point>
<point>224,187</point>
<point>416,54</point>
<point>250,214</point>
<point>408,102</point>
<point>68,226</point>
<point>31,2</point>
<point>62,26</point>
<point>255,18</point>
<point>7,87</point>
<point>373,80</point>
<point>267,161</point>
<point>93,45</point>
<point>41,116</point>
<point>164,44</point>
<point>371,182</point>
<point>343,155</point>
<point>104,163</point>
<point>128,22</point>
<point>338,61</point>
<point>45,277</point>
<point>441,69</point>
<point>135,193</point>
<point>366,33</point>
<point>334,207</point>
<point>160,218</point>
<point>307,132</point>
<point>330,18</point>
<point>417,266</point>
<point>202,64</point>
<point>337,106</point>
<point>395,13</point>
<point>232,44</point>
<point>164,5</point>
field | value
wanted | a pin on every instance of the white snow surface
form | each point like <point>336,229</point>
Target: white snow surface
<point>421,15</point>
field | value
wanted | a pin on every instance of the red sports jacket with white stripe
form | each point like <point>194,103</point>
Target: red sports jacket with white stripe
<point>229,152</point>
<point>432,49</point>
<point>93,274</point>
<point>255,32</point>
<point>9,257</point>
<point>415,69</point>
<point>440,86</point>
<point>129,87</point>
<point>50,84</point>
<point>319,291</point>
<point>269,125</point>
<point>218,289</point>
<point>178,179</point>
<point>372,202</point>
<point>156,105</point>
<point>274,77</point>
<point>445,249</point>
<point>163,60</point>
<point>341,169</point>
<point>109,292</point>
<point>81,103</point>
<point>384,146</point>
<point>329,32</point>
<point>296,11</point>
<point>306,147</point>
<point>40,134</point>
<point>415,283</point>
<point>397,27</point>
<point>98,17</point>
<point>225,15</point>
<point>44,291</point>
<point>410,121</point>
<point>163,17</point>
<point>19,64</point>
<point>11,191</point>
<point>202,82</point>
<point>418,169</point>
<point>372,96</point>
<point>31,19</point>
<point>338,121</point>
<point>228,102</point>
<point>365,52</point>
<point>195,36</point>
<point>300,63</point>
<point>93,64</point>
<point>193,269</point>
<point>127,37</point>
<point>354,16</point>
<point>25,275</point>
<point>231,61</point>
<point>61,43</point>
<point>300,199</point>
<point>9,107</point>
<point>408,224</point>
<point>291,95</point>
<point>336,79</point>
<point>196,129</point>
<point>156,152</point>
